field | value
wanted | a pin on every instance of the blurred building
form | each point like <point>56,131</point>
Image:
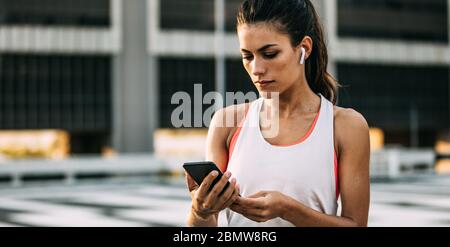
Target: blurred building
<point>105,70</point>
<point>393,57</point>
<point>56,61</point>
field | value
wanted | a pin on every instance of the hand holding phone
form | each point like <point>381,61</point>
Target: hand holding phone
<point>200,170</point>
<point>214,194</point>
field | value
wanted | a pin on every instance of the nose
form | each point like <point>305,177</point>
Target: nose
<point>258,67</point>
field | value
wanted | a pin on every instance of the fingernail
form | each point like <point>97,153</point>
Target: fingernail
<point>228,174</point>
<point>233,180</point>
<point>215,173</point>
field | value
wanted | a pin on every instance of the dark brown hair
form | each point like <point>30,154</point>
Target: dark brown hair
<point>297,18</point>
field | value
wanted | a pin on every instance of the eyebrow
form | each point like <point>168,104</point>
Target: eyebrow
<point>260,49</point>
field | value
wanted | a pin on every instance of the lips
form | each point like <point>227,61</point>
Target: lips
<point>264,82</point>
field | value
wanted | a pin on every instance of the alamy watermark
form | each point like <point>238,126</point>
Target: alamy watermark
<point>189,112</point>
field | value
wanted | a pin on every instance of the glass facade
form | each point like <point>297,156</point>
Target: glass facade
<point>180,75</point>
<point>189,15</point>
<point>232,8</point>
<point>56,92</point>
<point>238,79</point>
<point>196,15</point>
<point>415,20</point>
<point>393,97</point>
<point>84,13</point>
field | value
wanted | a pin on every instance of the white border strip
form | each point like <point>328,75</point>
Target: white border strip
<point>392,52</point>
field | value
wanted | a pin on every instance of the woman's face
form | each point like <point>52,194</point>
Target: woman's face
<point>269,57</point>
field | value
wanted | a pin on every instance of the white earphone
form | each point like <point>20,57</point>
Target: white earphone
<point>302,60</point>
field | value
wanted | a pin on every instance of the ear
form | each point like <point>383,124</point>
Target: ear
<point>305,48</point>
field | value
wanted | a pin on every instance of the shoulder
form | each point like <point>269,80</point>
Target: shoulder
<point>226,121</point>
<point>350,118</point>
<point>230,116</point>
<point>351,128</point>
<point>233,111</point>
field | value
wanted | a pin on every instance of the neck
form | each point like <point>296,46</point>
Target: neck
<point>299,99</point>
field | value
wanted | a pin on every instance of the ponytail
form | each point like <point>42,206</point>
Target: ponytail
<point>319,80</point>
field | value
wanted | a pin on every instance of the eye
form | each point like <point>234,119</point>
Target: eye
<point>247,57</point>
<point>270,55</point>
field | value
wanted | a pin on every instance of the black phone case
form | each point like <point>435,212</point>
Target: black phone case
<point>199,170</point>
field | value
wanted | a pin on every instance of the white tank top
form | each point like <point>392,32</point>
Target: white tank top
<point>305,171</point>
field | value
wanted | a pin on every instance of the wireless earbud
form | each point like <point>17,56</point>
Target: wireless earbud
<point>302,60</point>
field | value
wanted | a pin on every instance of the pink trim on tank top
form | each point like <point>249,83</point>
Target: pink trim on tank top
<point>236,135</point>
<point>238,131</point>
<point>336,174</point>
<point>306,135</point>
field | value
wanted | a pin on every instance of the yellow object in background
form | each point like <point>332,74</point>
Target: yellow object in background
<point>193,141</point>
<point>442,148</point>
<point>108,152</point>
<point>50,144</point>
<point>180,142</point>
<point>443,166</point>
<point>376,139</point>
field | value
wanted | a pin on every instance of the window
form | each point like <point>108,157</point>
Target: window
<point>416,20</point>
<point>196,14</point>
<point>238,79</point>
<point>388,95</point>
<point>86,13</point>
<point>55,92</point>
<point>232,8</point>
<point>180,74</point>
<point>187,14</point>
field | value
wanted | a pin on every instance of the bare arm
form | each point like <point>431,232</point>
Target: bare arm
<point>217,152</point>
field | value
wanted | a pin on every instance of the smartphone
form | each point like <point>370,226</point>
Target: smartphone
<point>200,170</point>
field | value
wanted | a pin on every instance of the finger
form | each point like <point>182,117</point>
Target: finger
<point>192,185</point>
<point>250,202</point>
<point>206,184</point>
<point>238,187</point>
<point>232,199</point>
<point>230,195</point>
<point>218,188</point>
<point>253,214</point>
<point>226,195</point>
<point>255,218</point>
<point>247,214</point>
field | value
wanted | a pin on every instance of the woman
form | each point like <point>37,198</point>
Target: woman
<point>320,151</point>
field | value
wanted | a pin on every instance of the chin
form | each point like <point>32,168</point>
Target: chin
<point>267,94</point>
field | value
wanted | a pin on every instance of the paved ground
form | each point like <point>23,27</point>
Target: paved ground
<point>416,201</point>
